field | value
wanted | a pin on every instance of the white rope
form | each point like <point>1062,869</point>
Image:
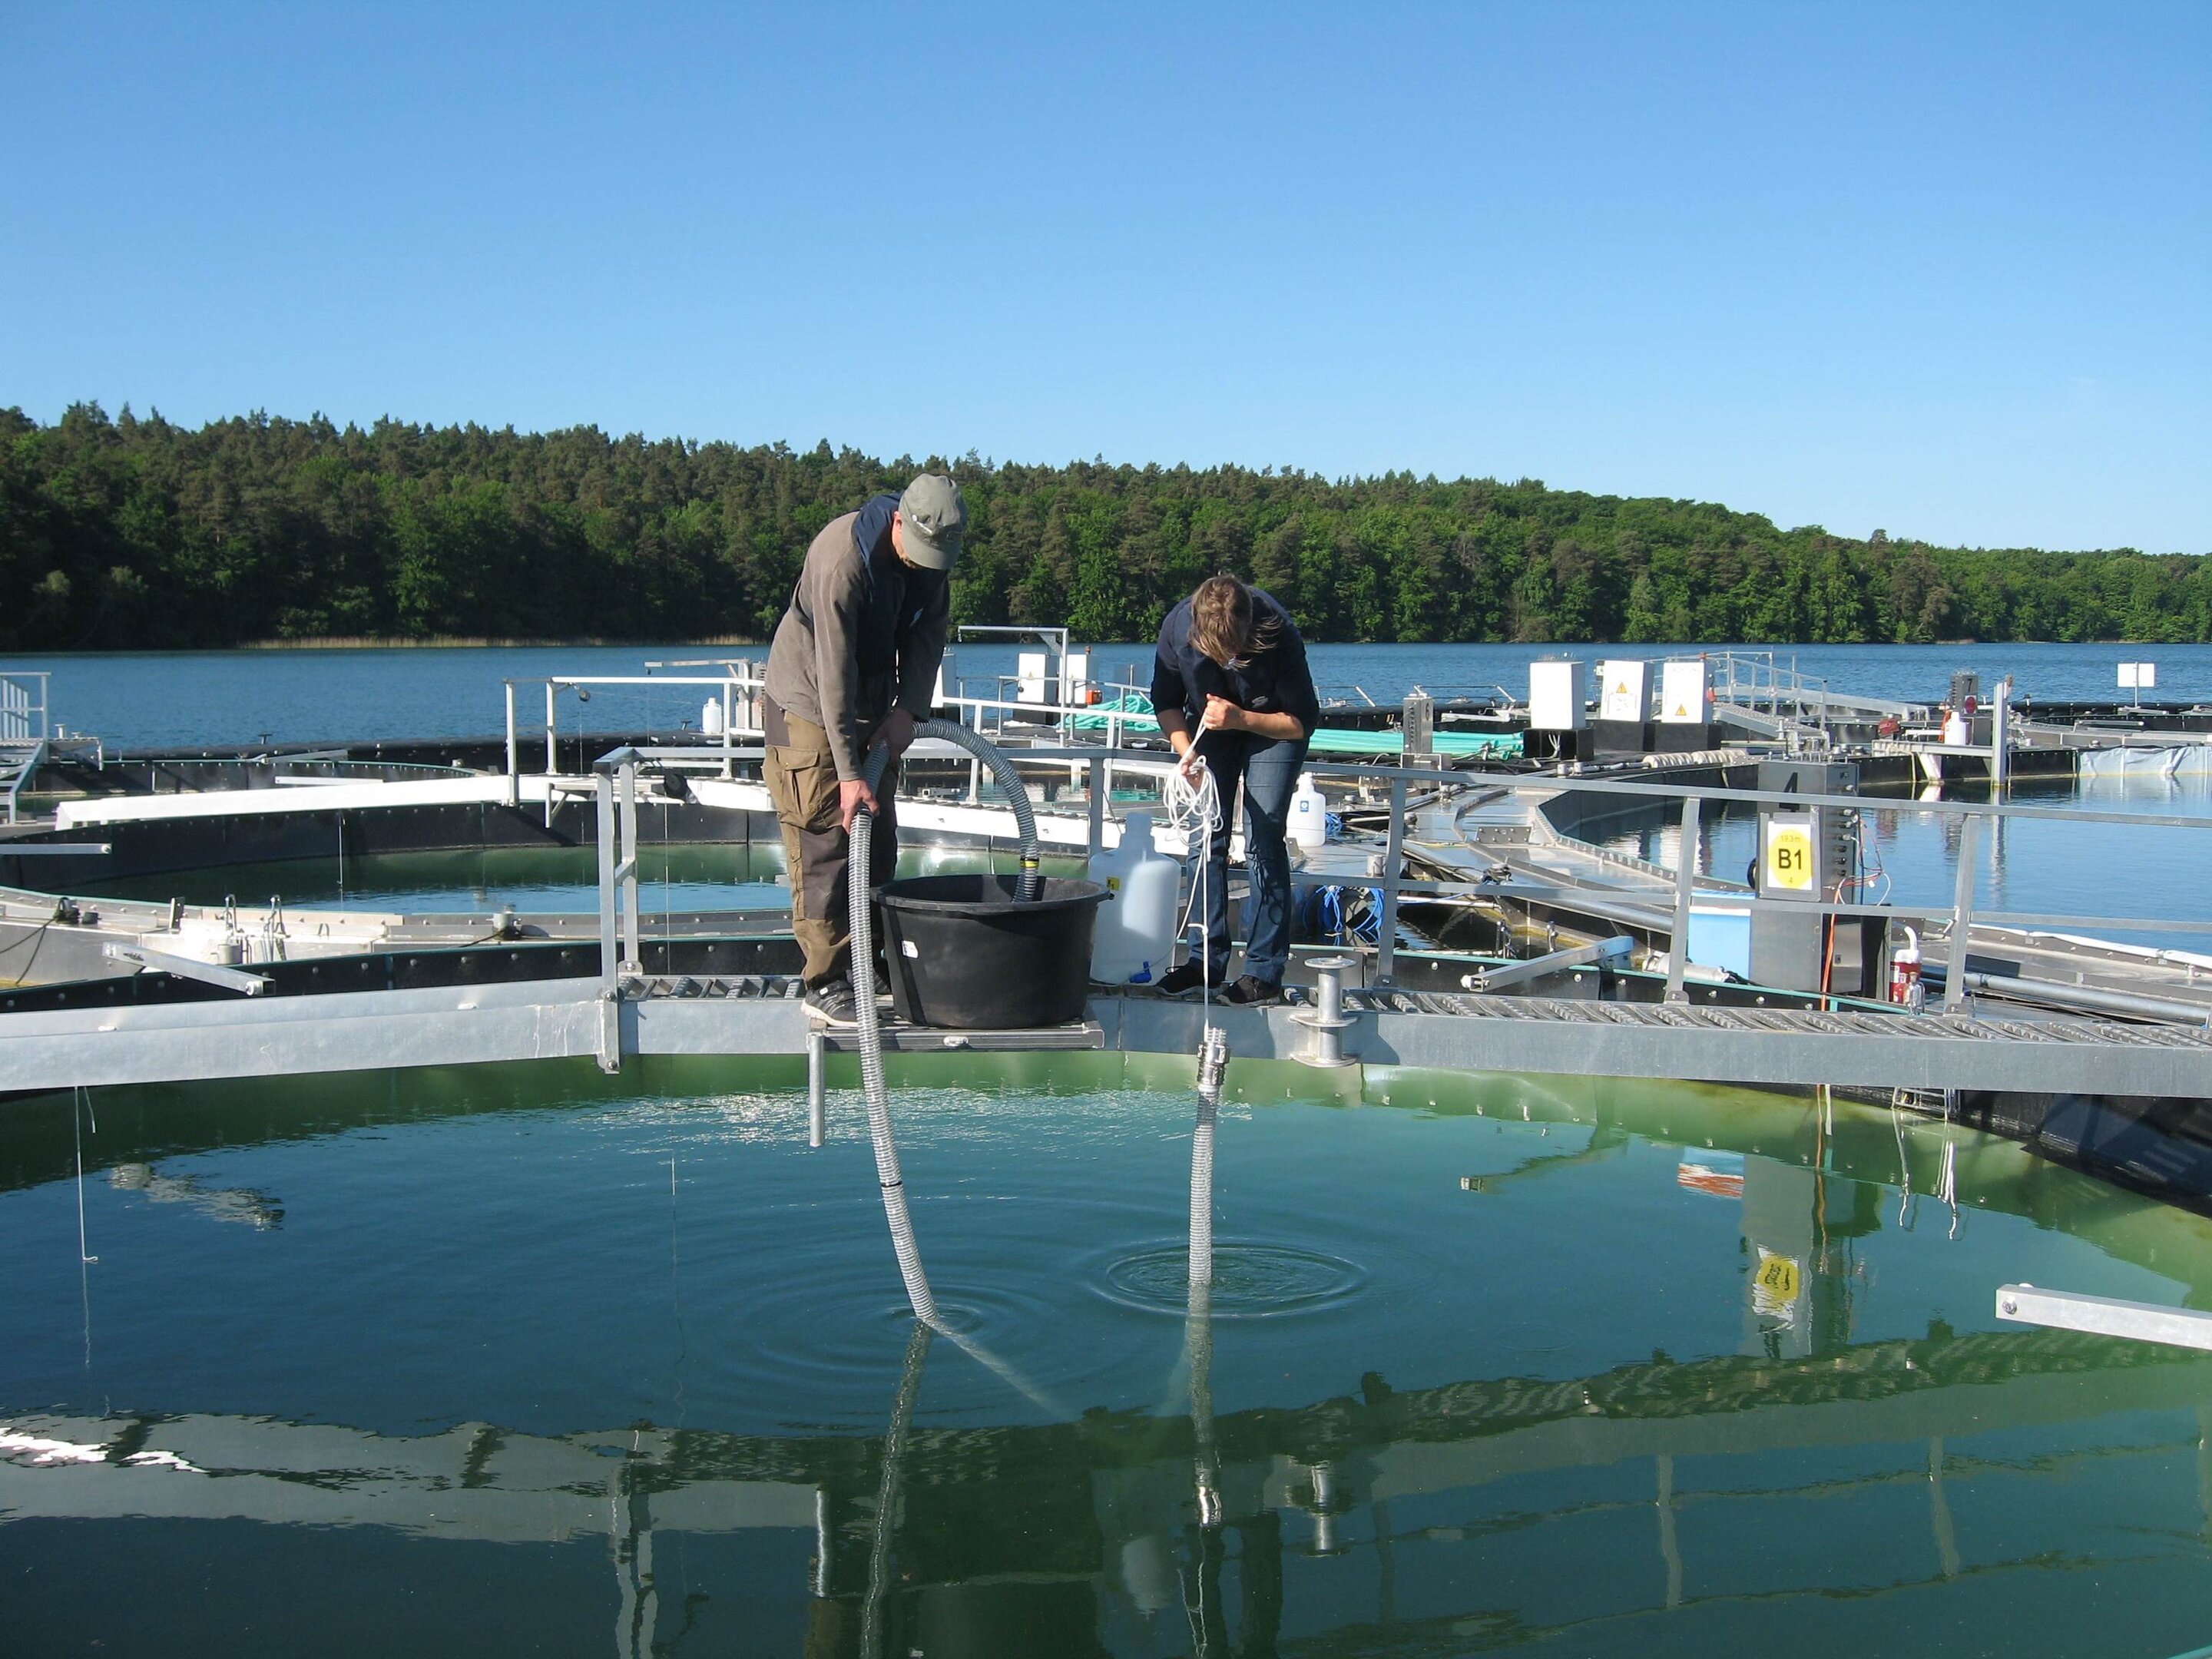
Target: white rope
<point>1904,1211</point>
<point>84,1256</point>
<point>1190,798</point>
<point>81,1101</point>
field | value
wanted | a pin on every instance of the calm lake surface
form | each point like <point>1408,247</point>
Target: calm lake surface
<point>233,698</point>
<point>533,1361</point>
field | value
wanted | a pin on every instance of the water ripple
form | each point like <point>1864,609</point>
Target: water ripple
<point>1251,1280</point>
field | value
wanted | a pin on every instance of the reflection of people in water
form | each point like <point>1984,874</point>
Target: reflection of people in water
<point>256,1209</point>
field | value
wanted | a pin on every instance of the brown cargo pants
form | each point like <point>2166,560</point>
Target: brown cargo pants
<point>802,783</point>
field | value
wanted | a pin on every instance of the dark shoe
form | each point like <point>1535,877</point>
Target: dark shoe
<point>1250,993</point>
<point>831,1002</point>
<point>1181,981</point>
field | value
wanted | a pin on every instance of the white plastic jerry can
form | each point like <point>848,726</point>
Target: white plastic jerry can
<point>1134,939</point>
<point>1309,819</point>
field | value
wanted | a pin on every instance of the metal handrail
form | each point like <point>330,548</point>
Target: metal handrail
<point>742,676</point>
<point>618,771</point>
<point>19,701</point>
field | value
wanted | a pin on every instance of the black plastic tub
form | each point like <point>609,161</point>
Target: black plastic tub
<point>965,953</point>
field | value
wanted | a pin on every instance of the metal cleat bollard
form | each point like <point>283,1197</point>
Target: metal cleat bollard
<point>1325,1021</point>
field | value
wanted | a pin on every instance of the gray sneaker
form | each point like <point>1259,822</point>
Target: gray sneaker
<point>831,1002</point>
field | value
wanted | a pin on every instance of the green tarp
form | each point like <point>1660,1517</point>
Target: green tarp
<point>1133,713</point>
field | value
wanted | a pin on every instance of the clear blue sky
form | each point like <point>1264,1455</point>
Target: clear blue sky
<point>1942,269</point>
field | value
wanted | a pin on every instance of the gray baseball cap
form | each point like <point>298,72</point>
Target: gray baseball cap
<point>933,519</point>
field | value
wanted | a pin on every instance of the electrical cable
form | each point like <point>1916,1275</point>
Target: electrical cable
<point>36,941</point>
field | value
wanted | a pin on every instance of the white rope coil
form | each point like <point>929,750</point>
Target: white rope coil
<point>1191,800</point>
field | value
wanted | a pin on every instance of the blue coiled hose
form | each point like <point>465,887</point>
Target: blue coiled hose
<point>1334,917</point>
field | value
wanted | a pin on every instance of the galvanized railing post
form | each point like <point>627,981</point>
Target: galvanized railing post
<point>514,759</point>
<point>1095,843</point>
<point>609,1032</point>
<point>1686,882</point>
<point>1962,915</point>
<point>631,959</point>
<point>1394,857</point>
<point>604,796</point>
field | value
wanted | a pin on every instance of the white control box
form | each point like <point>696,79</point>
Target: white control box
<point>1686,692</point>
<point>1624,690</point>
<point>1558,692</point>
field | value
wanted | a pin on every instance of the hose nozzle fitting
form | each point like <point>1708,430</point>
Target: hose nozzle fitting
<point>1213,1063</point>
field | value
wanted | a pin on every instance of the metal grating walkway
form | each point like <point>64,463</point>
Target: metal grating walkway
<point>1979,1028</point>
<point>1789,1048</point>
<point>113,1041</point>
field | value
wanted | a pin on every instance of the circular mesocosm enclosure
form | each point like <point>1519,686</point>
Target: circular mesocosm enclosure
<point>1629,1369</point>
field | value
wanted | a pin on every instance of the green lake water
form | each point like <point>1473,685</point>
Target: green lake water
<point>528,1360</point>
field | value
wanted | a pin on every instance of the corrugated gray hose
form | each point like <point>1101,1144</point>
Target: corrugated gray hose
<point>864,993</point>
<point>1009,780</point>
<point>1212,1066</point>
<point>1198,1312</point>
<point>1201,1197</point>
<point>887,1493</point>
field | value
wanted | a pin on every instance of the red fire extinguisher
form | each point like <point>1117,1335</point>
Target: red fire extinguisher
<point>1904,986</point>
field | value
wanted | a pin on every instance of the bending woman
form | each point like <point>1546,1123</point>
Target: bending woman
<point>1230,665</point>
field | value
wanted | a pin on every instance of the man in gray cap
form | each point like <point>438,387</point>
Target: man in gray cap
<point>854,661</point>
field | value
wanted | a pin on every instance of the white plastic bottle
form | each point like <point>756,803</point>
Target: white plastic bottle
<point>1134,938</point>
<point>1309,820</point>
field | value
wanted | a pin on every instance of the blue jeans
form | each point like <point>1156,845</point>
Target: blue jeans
<point>1269,769</point>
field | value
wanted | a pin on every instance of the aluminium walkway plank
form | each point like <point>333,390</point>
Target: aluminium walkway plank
<point>737,1016</point>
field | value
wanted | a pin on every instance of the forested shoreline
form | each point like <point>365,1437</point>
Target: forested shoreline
<point>129,533</point>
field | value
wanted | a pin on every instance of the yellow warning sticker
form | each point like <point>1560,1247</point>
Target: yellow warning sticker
<point>1789,858</point>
